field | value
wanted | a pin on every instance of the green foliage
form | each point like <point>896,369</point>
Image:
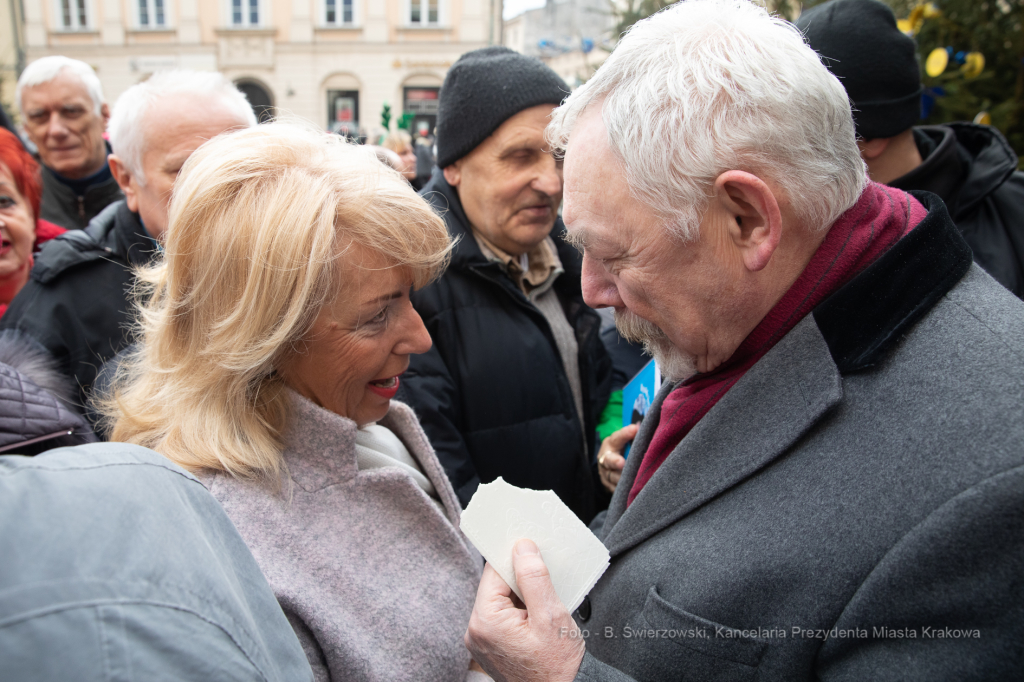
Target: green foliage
<point>385,116</point>
<point>992,28</point>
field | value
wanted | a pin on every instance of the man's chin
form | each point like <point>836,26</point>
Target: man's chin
<point>66,165</point>
<point>527,235</point>
<point>675,365</point>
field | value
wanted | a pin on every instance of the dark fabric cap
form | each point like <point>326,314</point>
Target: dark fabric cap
<point>485,88</point>
<point>873,60</point>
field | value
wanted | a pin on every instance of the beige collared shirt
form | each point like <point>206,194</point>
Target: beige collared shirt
<point>530,270</point>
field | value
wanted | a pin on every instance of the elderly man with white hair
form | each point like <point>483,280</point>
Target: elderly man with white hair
<point>64,115</point>
<point>77,302</point>
<point>829,484</point>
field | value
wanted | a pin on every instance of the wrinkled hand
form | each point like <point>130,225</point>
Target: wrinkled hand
<point>609,458</point>
<point>513,644</point>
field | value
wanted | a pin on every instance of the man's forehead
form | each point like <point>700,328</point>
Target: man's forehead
<point>524,128</point>
<point>61,89</point>
<point>522,135</point>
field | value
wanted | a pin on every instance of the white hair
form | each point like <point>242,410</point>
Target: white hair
<point>126,129</point>
<point>45,69</point>
<point>707,86</point>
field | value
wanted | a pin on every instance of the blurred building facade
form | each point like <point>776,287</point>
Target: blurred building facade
<point>334,62</point>
<point>12,49</point>
<point>572,36</point>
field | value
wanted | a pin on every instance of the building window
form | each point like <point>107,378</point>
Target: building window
<point>152,14</point>
<point>343,112</point>
<point>245,12</point>
<point>421,102</point>
<point>339,12</point>
<point>73,15</point>
<point>424,12</point>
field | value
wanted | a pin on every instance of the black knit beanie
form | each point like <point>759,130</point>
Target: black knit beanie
<point>485,88</point>
<point>872,59</point>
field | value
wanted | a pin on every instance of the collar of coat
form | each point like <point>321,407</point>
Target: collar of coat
<point>864,319</point>
<point>967,164</point>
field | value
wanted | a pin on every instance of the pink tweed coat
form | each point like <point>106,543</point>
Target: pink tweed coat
<point>374,576</point>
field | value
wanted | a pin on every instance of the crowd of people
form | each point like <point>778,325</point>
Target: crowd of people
<point>260,370</point>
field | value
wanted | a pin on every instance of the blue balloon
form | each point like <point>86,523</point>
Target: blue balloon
<point>960,57</point>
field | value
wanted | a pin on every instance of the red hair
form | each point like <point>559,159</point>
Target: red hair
<point>24,169</point>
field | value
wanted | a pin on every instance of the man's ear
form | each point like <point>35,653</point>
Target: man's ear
<point>123,176</point>
<point>753,214</point>
<point>453,173</point>
<point>105,113</point>
<point>872,149</point>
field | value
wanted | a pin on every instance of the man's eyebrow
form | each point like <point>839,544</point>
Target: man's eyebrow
<point>518,146</point>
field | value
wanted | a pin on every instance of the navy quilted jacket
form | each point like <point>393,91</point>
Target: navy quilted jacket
<point>32,416</point>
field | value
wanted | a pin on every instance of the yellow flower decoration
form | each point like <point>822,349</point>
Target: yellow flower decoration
<point>936,62</point>
<point>974,64</point>
<point>912,24</point>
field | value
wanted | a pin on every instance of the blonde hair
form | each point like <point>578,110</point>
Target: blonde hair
<point>259,223</point>
<point>397,141</point>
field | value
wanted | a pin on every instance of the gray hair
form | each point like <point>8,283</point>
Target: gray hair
<point>127,134</point>
<point>707,86</point>
<point>45,69</point>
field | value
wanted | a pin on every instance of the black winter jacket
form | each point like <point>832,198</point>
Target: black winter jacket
<point>77,302</point>
<point>492,394</point>
<point>62,206</point>
<point>974,170</point>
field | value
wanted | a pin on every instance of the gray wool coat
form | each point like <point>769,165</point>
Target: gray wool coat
<point>852,509</point>
<point>377,581</point>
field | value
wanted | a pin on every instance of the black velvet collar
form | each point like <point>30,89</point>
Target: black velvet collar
<point>864,320</point>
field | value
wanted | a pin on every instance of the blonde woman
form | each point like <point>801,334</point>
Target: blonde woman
<point>401,143</point>
<point>275,337</point>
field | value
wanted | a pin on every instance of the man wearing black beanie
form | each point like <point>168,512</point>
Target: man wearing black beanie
<point>517,375</point>
<point>971,167</point>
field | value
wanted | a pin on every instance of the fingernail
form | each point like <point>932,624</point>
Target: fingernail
<point>526,547</point>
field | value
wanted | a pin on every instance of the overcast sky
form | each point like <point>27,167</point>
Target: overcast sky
<point>516,7</point>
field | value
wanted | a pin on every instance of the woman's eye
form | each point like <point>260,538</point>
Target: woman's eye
<point>7,202</point>
<point>380,317</point>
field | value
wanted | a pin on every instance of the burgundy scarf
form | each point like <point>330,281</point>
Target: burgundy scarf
<point>878,220</point>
